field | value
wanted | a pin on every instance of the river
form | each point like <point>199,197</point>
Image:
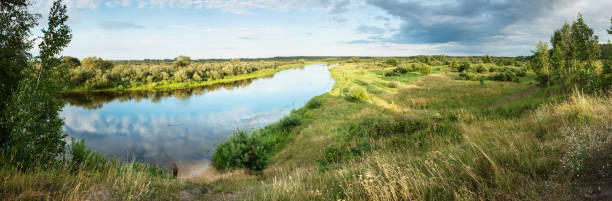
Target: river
<point>185,126</point>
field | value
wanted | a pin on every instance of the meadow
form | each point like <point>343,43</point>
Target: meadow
<point>406,128</point>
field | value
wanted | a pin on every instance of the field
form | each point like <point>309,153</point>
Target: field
<point>436,137</point>
<point>405,136</point>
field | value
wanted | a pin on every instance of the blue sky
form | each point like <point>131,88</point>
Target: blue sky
<point>139,29</point>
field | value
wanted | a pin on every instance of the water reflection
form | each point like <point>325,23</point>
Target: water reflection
<point>185,126</point>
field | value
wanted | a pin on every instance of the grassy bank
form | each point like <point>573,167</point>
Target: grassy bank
<point>167,85</point>
<point>436,137</point>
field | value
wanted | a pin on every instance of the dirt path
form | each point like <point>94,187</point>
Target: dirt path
<point>517,96</point>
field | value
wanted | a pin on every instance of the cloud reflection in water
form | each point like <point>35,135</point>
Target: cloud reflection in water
<point>169,127</point>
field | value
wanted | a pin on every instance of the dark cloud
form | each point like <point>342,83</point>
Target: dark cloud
<point>336,6</point>
<point>117,25</point>
<point>462,21</point>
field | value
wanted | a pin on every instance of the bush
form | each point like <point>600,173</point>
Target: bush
<point>182,61</point>
<point>358,94</point>
<point>468,76</point>
<point>495,68</point>
<point>425,69</point>
<point>85,158</point>
<point>293,120</point>
<point>241,151</point>
<point>392,61</point>
<point>505,76</point>
<point>314,103</point>
<point>465,66</point>
<point>481,69</point>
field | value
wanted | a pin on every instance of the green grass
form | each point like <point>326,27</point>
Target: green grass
<point>430,137</point>
<point>435,138</point>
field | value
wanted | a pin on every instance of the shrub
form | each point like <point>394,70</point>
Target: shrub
<point>505,76</point>
<point>392,61</point>
<point>358,94</point>
<point>85,158</point>
<point>481,68</point>
<point>425,69</point>
<point>314,103</point>
<point>241,151</point>
<point>495,68</point>
<point>468,76</point>
<point>293,120</point>
<point>182,61</point>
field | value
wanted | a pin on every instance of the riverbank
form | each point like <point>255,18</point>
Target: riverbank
<point>434,137</point>
<point>172,85</point>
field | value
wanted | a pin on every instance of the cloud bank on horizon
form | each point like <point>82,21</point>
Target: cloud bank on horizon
<point>139,29</point>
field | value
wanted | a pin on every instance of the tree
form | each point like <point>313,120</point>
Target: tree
<point>454,64</point>
<point>610,30</point>
<point>182,61</point>
<point>562,41</point>
<point>32,114</point>
<point>16,21</point>
<point>557,62</point>
<point>96,63</point>
<point>487,59</point>
<point>585,44</point>
<point>392,61</point>
<point>501,61</point>
<point>443,58</point>
<point>540,63</point>
<point>466,65</point>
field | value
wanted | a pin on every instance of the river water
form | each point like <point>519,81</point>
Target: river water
<point>185,126</point>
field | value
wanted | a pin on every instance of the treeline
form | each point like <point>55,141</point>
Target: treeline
<point>469,68</point>
<point>96,73</point>
<point>575,60</point>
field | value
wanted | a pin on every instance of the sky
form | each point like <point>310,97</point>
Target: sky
<point>202,29</point>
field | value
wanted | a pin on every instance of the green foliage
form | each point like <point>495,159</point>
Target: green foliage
<point>84,158</point>
<point>96,63</point>
<point>501,62</point>
<point>16,21</point>
<point>253,151</point>
<point>465,66</point>
<point>242,150</point>
<point>573,59</point>
<point>31,126</point>
<point>454,65</point>
<point>425,69</point>
<point>610,29</point>
<point>487,59</point>
<point>584,42</point>
<point>468,76</point>
<point>135,75</point>
<point>182,61</point>
<point>540,63</point>
<point>358,93</point>
<point>506,75</point>
<point>481,68</point>
<point>290,121</point>
<point>392,61</point>
<point>314,103</point>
